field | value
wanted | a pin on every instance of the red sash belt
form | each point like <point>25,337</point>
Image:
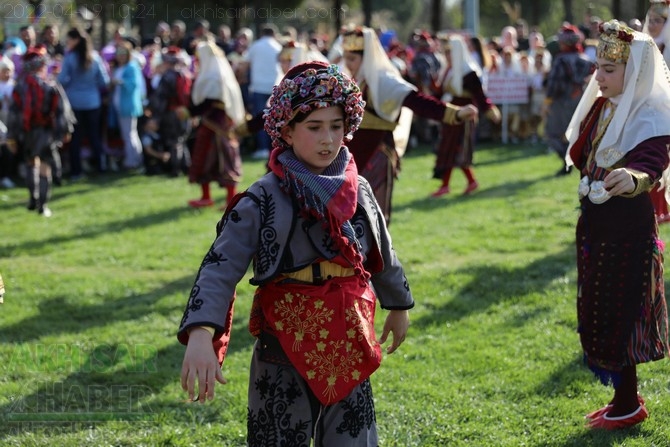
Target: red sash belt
<point>326,331</point>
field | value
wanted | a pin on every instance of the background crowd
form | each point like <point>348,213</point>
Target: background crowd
<point>135,113</point>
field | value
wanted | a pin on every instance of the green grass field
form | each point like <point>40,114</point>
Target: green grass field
<point>95,295</point>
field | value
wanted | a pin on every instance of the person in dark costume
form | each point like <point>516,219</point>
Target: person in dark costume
<point>619,140</point>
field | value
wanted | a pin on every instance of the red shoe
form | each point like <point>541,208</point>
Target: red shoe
<point>616,423</point>
<point>444,189</point>
<point>200,203</point>
<point>471,188</point>
<point>603,410</point>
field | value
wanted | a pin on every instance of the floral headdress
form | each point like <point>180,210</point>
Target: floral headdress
<point>615,39</point>
<point>310,86</point>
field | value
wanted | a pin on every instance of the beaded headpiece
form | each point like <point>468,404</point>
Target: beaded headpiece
<point>310,86</point>
<point>614,44</point>
<point>352,40</point>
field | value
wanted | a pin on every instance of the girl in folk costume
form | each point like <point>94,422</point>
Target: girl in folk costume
<point>657,26</point>
<point>461,80</point>
<point>386,92</point>
<point>40,119</point>
<point>619,140</point>
<point>322,256</point>
<point>217,99</point>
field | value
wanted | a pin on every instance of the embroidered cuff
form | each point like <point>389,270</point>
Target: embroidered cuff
<point>493,113</point>
<point>242,130</point>
<point>450,114</point>
<point>643,183</point>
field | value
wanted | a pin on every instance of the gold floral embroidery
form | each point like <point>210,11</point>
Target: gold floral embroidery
<point>296,318</point>
<point>328,360</point>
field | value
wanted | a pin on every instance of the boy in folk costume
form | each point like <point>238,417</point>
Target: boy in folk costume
<point>40,119</point>
<point>657,26</point>
<point>386,92</point>
<point>169,104</point>
<point>217,99</point>
<point>461,79</point>
<point>319,245</point>
<point>619,140</point>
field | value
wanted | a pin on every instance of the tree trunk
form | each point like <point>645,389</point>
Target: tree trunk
<point>641,9</point>
<point>338,15</point>
<point>616,9</point>
<point>367,12</point>
<point>567,8</point>
<point>436,19</point>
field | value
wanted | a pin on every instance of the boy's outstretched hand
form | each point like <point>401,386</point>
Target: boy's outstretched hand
<point>200,363</point>
<point>397,321</point>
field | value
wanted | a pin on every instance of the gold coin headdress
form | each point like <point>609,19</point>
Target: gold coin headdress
<point>614,44</point>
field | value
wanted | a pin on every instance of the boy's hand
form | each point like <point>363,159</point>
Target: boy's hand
<point>200,363</point>
<point>397,322</point>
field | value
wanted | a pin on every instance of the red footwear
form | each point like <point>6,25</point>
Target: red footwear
<point>603,410</point>
<point>444,189</point>
<point>200,203</point>
<point>616,423</point>
<point>471,188</point>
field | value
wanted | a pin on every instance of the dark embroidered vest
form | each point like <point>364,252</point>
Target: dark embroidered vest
<point>279,216</point>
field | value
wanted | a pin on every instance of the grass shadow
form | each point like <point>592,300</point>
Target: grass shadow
<point>493,284</point>
<point>428,203</point>
<point>60,315</point>
<point>41,246</point>
<point>112,383</point>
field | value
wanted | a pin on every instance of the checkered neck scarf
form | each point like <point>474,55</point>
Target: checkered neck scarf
<point>330,197</point>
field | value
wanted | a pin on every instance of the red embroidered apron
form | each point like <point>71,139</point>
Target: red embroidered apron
<point>326,331</point>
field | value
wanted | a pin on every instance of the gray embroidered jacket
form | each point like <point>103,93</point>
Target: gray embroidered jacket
<point>264,228</point>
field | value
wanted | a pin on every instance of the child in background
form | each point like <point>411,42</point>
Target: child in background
<point>156,158</point>
<point>321,257</point>
<point>217,101</point>
<point>40,119</point>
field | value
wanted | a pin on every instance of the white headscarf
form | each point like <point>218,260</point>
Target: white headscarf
<point>462,63</point>
<point>216,80</point>
<point>664,37</point>
<point>386,86</point>
<point>643,108</point>
<point>304,52</point>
